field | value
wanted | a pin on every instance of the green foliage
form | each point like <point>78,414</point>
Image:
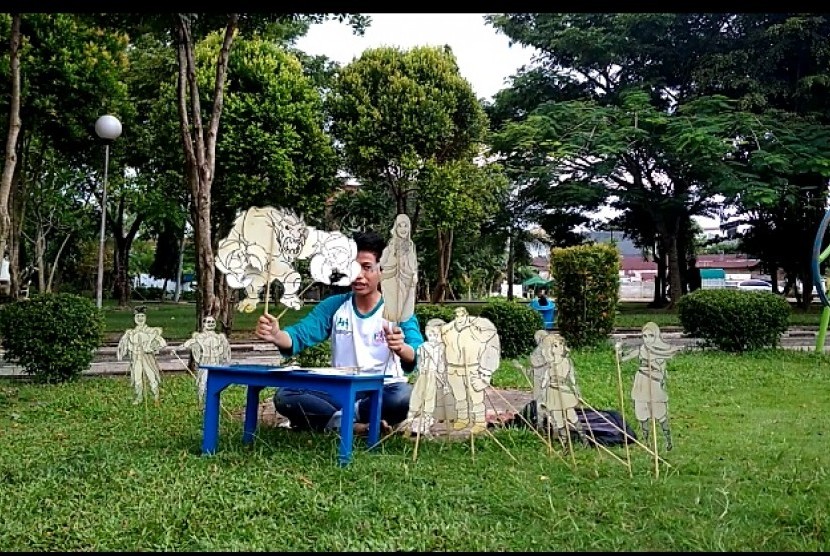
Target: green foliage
<point>516,323</point>
<point>426,311</point>
<point>316,356</point>
<point>52,336</point>
<point>734,320</point>
<point>586,289</point>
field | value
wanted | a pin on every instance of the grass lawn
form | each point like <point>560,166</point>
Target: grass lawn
<point>179,319</point>
<point>83,469</point>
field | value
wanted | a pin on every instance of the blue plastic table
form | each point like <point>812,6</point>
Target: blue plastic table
<point>343,388</point>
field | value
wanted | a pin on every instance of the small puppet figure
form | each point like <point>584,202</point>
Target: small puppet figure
<point>651,399</point>
<point>399,272</point>
<point>432,372</point>
<point>141,344</point>
<point>473,352</point>
<point>554,386</point>
<point>208,348</point>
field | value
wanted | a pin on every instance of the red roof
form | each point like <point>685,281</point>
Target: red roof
<point>726,262</point>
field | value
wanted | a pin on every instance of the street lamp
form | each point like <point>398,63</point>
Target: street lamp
<point>108,128</point>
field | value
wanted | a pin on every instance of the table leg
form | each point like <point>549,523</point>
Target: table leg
<point>374,418</point>
<point>346,429</point>
<point>210,429</point>
<point>251,414</point>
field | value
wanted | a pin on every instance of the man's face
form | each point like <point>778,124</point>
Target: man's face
<point>209,323</point>
<point>140,318</point>
<point>369,277</point>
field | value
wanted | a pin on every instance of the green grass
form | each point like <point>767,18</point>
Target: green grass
<point>179,319</point>
<point>83,469</point>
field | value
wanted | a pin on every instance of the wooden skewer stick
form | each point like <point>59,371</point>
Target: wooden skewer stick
<point>652,418</point>
<point>298,295</point>
<point>268,277</point>
<point>622,412</point>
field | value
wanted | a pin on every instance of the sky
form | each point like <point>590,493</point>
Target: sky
<point>485,57</point>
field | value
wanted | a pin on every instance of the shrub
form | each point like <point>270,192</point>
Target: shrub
<point>586,281</point>
<point>315,356</point>
<point>427,311</point>
<point>734,320</point>
<point>516,323</point>
<point>52,336</point>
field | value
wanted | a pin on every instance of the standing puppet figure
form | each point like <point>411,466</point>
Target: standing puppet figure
<point>208,348</point>
<point>399,272</point>
<point>555,385</point>
<point>473,353</point>
<point>432,371</point>
<point>651,399</point>
<point>141,344</point>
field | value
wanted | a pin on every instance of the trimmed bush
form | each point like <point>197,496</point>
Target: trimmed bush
<point>52,336</point>
<point>426,311</point>
<point>586,282</point>
<point>734,320</point>
<point>516,324</point>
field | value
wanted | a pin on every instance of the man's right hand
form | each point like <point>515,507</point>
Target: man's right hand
<point>267,328</point>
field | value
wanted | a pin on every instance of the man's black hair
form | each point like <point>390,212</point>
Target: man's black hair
<point>371,242</point>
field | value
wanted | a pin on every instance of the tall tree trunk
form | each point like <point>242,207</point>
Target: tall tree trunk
<point>660,277</point>
<point>54,267</point>
<point>445,239</point>
<point>200,150</point>
<point>511,260</point>
<point>15,124</point>
<point>121,252</point>
<point>177,294</point>
<point>18,205</point>
<point>40,257</point>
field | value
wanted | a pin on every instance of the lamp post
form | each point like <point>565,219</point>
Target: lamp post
<point>108,128</point>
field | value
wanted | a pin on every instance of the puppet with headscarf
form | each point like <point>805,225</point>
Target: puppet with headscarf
<point>651,399</point>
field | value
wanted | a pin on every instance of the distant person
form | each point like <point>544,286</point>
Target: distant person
<point>542,299</point>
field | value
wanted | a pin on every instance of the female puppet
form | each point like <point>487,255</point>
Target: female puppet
<point>651,399</point>
<point>399,273</point>
<point>432,371</point>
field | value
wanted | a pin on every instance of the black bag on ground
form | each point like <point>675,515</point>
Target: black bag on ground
<point>604,425</point>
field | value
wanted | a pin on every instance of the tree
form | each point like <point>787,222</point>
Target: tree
<point>396,112</point>
<point>199,131</point>
<point>10,162</point>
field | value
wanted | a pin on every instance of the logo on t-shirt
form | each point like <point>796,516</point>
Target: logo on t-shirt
<point>379,337</point>
<point>342,325</point>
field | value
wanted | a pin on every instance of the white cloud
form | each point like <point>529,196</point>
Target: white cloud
<point>484,56</point>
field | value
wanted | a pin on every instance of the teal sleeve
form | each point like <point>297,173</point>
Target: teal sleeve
<point>412,337</point>
<point>315,327</point>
